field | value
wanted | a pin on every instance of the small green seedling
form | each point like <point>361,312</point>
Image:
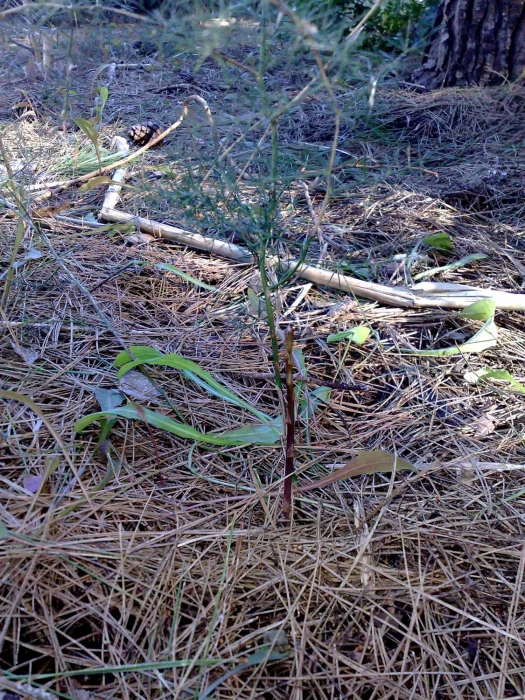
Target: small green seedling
<point>358,335</point>
<point>439,241</point>
<point>89,130</point>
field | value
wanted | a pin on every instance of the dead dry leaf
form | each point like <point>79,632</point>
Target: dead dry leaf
<point>365,463</point>
<point>32,482</point>
<point>29,355</point>
<point>484,426</point>
<point>138,386</point>
<point>140,238</point>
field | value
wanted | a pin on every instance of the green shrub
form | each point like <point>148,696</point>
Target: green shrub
<point>395,24</point>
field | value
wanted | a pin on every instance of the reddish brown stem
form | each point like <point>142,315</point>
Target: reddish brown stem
<point>290,422</point>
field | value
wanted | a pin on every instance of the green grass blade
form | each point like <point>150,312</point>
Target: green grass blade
<point>248,435</point>
<point>450,267</point>
<point>191,369</point>
<point>485,338</point>
<point>184,275</point>
<point>127,668</point>
<point>259,657</point>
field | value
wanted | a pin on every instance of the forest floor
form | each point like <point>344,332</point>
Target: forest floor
<point>153,565</point>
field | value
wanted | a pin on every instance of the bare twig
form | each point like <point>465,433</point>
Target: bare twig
<point>423,295</point>
<point>289,422</point>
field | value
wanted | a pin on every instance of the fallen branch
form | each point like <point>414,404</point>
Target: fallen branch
<point>422,295</point>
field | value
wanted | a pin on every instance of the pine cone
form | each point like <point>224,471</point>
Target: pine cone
<point>142,134</point>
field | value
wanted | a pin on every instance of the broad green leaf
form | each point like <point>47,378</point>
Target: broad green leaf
<point>485,338</point>
<point>106,449</point>
<point>256,305</point>
<point>95,182</point>
<point>358,335</point>
<point>191,370</point>
<point>502,374</point>
<point>267,434</point>
<point>299,357</point>
<point>244,436</point>
<point>104,94</point>
<point>480,310</point>
<point>88,128</point>
<point>4,532</point>
<point>451,266</point>
<point>365,463</point>
<point>230,397</point>
<point>318,396</point>
<point>140,353</point>
<point>109,398</point>
<point>439,241</point>
<point>180,273</point>
<point>157,420</point>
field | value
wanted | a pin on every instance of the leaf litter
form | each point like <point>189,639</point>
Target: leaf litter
<point>386,581</point>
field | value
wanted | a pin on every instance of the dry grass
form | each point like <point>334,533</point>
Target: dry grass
<point>168,578</point>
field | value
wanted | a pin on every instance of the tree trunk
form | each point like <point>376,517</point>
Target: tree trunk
<point>475,42</point>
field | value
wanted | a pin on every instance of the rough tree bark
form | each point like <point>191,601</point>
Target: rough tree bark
<point>475,42</point>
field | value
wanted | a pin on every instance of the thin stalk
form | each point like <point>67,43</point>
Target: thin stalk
<point>290,422</point>
<point>271,321</point>
<point>20,226</point>
<point>267,235</point>
<point>335,140</point>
